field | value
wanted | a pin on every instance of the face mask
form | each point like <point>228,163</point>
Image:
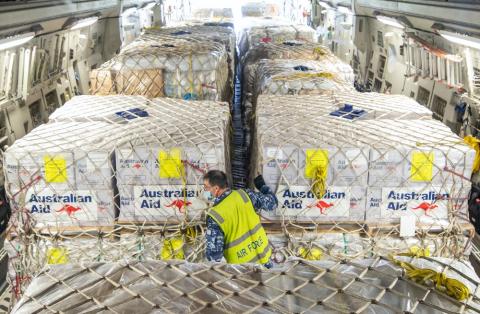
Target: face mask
<point>207,195</point>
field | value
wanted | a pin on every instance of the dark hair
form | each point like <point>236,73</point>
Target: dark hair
<point>216,178</point>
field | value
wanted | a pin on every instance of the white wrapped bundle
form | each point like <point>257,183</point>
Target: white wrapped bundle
<point>260,25</point>
<point>276,34</point>
<point>285,50</point>
<point>165,66</point>
<point>374,285</point>
<point>296,77</point>
<point>363,106</point>
<point>198,33</point>
<point>159,171</point>
<point>156,144</point>
<point>63,174</point>
<point>300,77</point>
<point>409,170</point>
<point>289,49</point>
<point>99,108</point>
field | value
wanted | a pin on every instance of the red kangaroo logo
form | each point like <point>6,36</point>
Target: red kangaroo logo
<point>266,40</point>
<point>425,206</point>
<point>179,204</point>
<point>69,209</point>
<point>322,205</point>
<point>137,166</point>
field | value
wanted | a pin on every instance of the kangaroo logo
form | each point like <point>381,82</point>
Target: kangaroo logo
<point>425,206</point>
<point>69,209</point>
<point>179,204</point>
<point>322,205</point>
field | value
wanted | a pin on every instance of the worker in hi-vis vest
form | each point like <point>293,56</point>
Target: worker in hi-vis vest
<point>234,230</point>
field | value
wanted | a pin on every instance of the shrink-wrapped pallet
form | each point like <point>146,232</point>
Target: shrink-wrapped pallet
<point>165,66</point>
<point>336,168</point>
<point>104,148</point>
<point>255,31</point>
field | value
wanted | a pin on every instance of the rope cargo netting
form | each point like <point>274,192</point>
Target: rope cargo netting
<point>200,33</point>
<point>293,49</point>
<point>107,169</point>
<point>375,285</point>
<point>166,66</point>
<point>360,172</point>
<point>292,77</point>
<point>276,30</point>
<point>118,178</point>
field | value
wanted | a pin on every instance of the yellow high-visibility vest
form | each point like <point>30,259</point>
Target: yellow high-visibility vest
<point>245,238</point>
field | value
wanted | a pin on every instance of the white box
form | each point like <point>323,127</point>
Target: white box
<point>430,204</point>
<point>338,203</point>
<point>62,206</point>
<point>140,165</point>
<point>153,203</point>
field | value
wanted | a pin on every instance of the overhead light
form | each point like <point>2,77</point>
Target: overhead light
<point>344,10</point>
<point>460,39</point>
<point>324,4</point>
<point>149,6</point>
<point>83,22</point>
<point>16,40</point>
<point>389,21</point>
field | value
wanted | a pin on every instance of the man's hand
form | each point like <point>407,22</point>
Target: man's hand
<point>259,182</point>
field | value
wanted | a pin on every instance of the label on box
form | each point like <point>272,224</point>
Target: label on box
<point>397,202</point>
<point>171,165</point>
<point>51,205</point>
<point>55,169</point>
<point>421,169</point>
<point>170,200</point>
<point>300,201</point>
<point>316,160</point>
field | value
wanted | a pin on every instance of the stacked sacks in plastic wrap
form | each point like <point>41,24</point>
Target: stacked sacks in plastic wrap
<point>104,154</point>
<point>256,31</point>
<point>300,77</point>
<point>157,66</point>
<point>207,31</point>
<point>333,160</point>
<point>296,77</point>
<point>284,50</point>
<point>290,67</point>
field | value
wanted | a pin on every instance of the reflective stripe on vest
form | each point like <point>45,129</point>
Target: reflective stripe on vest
<point>245,238</point>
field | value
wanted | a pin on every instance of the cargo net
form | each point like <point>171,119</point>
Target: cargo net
<point>364,286</point>
<point>257,31</point>
<point>112,177</point>
<point>292,49</point>
<point>295,78</point>
<point>346,173</point>
<point>292,77</point>
<point>156,65</point>
<point>214,32</point>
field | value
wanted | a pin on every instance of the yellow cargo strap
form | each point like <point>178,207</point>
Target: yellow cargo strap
<point>190,234</point>
<point>57,255</point>
<point>319,185</point>
<point>474,143</point>
<point>172,249</point>
<point>311,254</point>
<point>319,51</point>
<point>416,251</point>
<point>442,283</point>
<point>302,75</point>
